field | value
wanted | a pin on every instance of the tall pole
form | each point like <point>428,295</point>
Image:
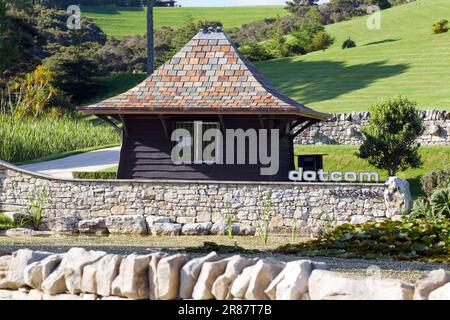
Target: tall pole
<point>150,40</point>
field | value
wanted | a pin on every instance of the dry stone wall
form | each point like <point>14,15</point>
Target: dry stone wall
<point>189,207</point>
<point>96,275</point>
<point>344,129</point>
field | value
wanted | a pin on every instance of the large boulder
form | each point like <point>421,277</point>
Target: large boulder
<point>93,226</point>
<point>327,285</point>
<point>190,272</point>
<point>397,197</point>
<point>151,220</point>
<point>168,276</point>
<point>107,269</point>
<point>430,281</point>
<point>74,262</point>
<point>37,272</point>
<point>19,261</point>
<point>264,272</point>
<point>134,224</point>
<point>88,283</point>
<point>292,282</point>
<point>240,285</point>
<point>196,229</point>
<point>442,293</point>
<point>55,283</point>
<point>208,275</point>
<point>132,281</point>
<point>237,229</point>
<point>152,274</point>
<point>63,225</point>
<point>5,261</point>
<point>388,289</point>
<point>165,229</point>
<point>221,287</point>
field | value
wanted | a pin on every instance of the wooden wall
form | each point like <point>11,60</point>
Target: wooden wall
<point>146,152</point>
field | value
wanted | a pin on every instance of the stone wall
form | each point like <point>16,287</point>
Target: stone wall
<point>344,129</point>
<point>126,204</point>
<point>95,275</point>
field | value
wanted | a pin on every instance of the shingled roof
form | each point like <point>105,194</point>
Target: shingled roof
<point>208,75</point>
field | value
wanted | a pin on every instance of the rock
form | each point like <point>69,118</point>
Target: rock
<point>19,261</point>
<point>35,295</point>
<point>190,272</point>
<point>168,276</point>
<point>126,224</point>
<point>88,283</point>
<point>221,287</point>
<point>74,262</point>
<point>442,293</point>
<point>5,261</point>
<point>237,229</point>
<point>107,269</point>
<point>397,197</point>
<point>240,285</point>
<point>196,229</point>
<point>208,275</point>
<point>132,281</point>
<point>93,226</point>
<point>434,130</point>
<point>115,298</point>
<point>55,283</point>
<point>152,274</point>
<point>88,296</point>
<point>165,229</point>
<point>19,232</point>
<point>6,294</point>
<point>428,282</point>
<point>151,220</point>
<point>63,296</point>
<point>219,228</point>
<point>263,273</point>
<point>388,289</point>
<point>37,272</point>
<point>327,285</point>
<point>292,282</point>
<point>64,225</point>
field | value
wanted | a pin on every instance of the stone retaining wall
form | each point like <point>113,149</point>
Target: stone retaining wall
<point>95,275</point>
<point>344,129</point>
<point>126,204</point>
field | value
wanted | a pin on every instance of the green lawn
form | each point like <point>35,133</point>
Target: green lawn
<point>121,21</point>
<point>403,57</point>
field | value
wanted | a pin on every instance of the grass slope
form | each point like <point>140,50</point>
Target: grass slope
<point>403,57</point>
<point>121,21</point>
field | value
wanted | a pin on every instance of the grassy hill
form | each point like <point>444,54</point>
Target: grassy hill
<point>122,21</point>
<point>403,57</point>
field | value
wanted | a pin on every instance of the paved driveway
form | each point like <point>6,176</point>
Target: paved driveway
<point>89,161</point>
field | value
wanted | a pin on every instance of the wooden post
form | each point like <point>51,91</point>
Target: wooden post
<point>150,40</point>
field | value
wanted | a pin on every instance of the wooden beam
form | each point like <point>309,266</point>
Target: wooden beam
<point>261,122</point>
<point>222,123</point>
<point>306,126</point>
<point>108,120</point>
<point>124,125</point>
<point>164,124</point>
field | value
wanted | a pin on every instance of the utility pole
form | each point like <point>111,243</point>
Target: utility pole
<point>150,39</point>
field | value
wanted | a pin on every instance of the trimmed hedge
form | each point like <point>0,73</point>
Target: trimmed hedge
<point>99,175</point>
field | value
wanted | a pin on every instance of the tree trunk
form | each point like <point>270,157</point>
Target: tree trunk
<point>150,40</point>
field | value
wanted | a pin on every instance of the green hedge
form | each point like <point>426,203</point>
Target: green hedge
<point>99,175</point>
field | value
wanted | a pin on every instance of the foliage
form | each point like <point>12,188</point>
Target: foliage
<point>391,135</point>
<point>229,219</point>
<point>440,26</point>
<point>415,239</point>
<point>263,225</point>
<point>37,206</point>
<point>75,72</point>
<point>440,202</point>
<point>98,175</point>
<point>31,139</point>
<point>256,52</point>
<point>434,179</point>
<point>208,246</point>
<point>6,222</point>
<point>298,6</point>
<point>33,94</point>
<point>349,43</point>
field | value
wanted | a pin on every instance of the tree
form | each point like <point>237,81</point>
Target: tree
<point>391,136</point>
<point>296,6</point>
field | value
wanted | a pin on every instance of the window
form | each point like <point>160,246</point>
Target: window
<point>203,149</point>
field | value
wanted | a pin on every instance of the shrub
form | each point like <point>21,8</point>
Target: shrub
<point>30,139</point>
<point>434,179</point>
<point>99,175</point>
<point>349,43</point>
<point>256,52</point>
<point>6,222</point>
<point>321,41</point>
<point>37,207</point>
<point>440,26</point>
<point>440,202</point>
<point>391,136</point>
<point>417,239</point>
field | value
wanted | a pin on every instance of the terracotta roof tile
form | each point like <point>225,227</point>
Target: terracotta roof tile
<point>208,73</point>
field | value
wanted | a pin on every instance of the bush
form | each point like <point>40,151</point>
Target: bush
<point>29,139</point>
<point>417,239</point>
<point>434,180</point>
<point>349,43</point>
<point>321,41</point>
<point>391,136</point>
<point>99,175</point>
<point>440,202</point>
<point>440,26</point>
<point>6,222</point>
<point>256,52</point>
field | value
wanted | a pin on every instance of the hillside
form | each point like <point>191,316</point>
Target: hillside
<point>122,21</point>
<point>404,57</point>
